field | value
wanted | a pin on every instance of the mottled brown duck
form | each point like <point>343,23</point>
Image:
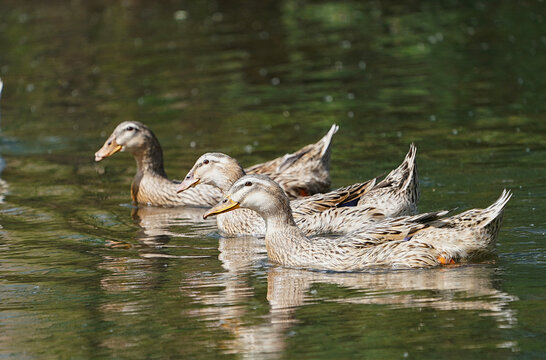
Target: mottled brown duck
<point>332,212</point>
<point>304,172</point>
<point>418,241</point>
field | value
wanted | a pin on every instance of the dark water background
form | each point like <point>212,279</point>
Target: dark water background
<point>83,277</point>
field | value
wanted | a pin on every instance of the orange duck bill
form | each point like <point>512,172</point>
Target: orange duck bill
<point>224,206</point>
<point>109,148</point>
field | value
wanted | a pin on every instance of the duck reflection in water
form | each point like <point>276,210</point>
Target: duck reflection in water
<point>159,225</point>
<point>225,296</point>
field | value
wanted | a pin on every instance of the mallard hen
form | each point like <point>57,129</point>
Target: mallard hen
<point>408,242</point>
<point>303,172</point>
<point>316,214</point>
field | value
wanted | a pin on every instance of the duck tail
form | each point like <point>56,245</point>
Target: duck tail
<point>405,177</point>
<point>492,215</point>
<point>484,224</point>
<point>411,179</point>
<point>327,140</point>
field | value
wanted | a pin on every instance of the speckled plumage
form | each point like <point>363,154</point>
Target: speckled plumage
<point>304,172</point>
<point>316,214</point>
<point>407,242</point>
<point>397,194</point>
<point>151,186</point>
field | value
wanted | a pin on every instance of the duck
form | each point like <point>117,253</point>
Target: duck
<point>301,173</point>
<point>398,193</point>
<point>418,241</point>
<point>332,212</point>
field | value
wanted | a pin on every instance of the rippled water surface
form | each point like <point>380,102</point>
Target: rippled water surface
<point>85,275</point>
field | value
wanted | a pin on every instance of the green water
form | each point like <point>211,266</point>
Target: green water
<point>83,275</point>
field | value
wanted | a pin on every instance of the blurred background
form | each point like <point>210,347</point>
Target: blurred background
<point>86,275</point>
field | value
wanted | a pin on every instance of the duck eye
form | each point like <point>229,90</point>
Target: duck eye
<point>224,201</point>
<point>130,128</point>
<point>248,183</point>
<point>205,161</point>
<point>187,177</point>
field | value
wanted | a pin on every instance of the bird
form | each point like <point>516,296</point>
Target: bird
<point>151,186</point>
<point>419,241</point>
<point>396,195</point>
<point>332,212</point>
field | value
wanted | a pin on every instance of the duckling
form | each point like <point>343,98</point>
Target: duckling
<point>151,186</point>
<point>316,214</point>
<point>418,241</point>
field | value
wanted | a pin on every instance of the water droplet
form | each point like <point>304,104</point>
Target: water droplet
<point>286,113</point>
<point>362,65</point>
<point>140,101</point>
<point>432,117</point>
<point>328,98</point>
<point>399,134</point>
<point>350,114</point>
<point>350,96</point>
<point>217,17</point>
<point>193,144</point>
<point>346,44</point>
<point>455,132</point>
<point>30,87</point>
<point>180,15</point>
<point>527,150</point>
<point>262,72</point>
<point>520,81</point>
<point>275,81</point>
<point>249,148</point>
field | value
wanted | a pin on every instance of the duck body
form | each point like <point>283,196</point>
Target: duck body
<point>424,240</point>
<point>316,214</point>
<point>151,186</point>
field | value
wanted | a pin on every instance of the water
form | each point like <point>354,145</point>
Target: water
<point>84,275</point>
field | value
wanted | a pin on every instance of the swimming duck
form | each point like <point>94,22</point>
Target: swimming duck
<point>301,173</point>
<point>418,241</point>
<point>316,214</point>
<point>398,193</point>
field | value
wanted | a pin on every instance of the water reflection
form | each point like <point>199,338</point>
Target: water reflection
<point>224,297</point>
<point>158,225</point>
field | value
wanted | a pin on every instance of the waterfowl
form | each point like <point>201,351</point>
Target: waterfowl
<point>418,241</point>
<point>301,173</point>
<point>398,193</point>
<point>316,214</point>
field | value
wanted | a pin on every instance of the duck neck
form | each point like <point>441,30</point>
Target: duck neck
<point>229,178</point>
<point>150,159</point>
<point>281,221</point>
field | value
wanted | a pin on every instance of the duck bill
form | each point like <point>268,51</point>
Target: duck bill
<point>109,148</point>
<point>188,182</point>
<point>226,205</point>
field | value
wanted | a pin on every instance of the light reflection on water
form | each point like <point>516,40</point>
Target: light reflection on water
<point>83,274</point>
